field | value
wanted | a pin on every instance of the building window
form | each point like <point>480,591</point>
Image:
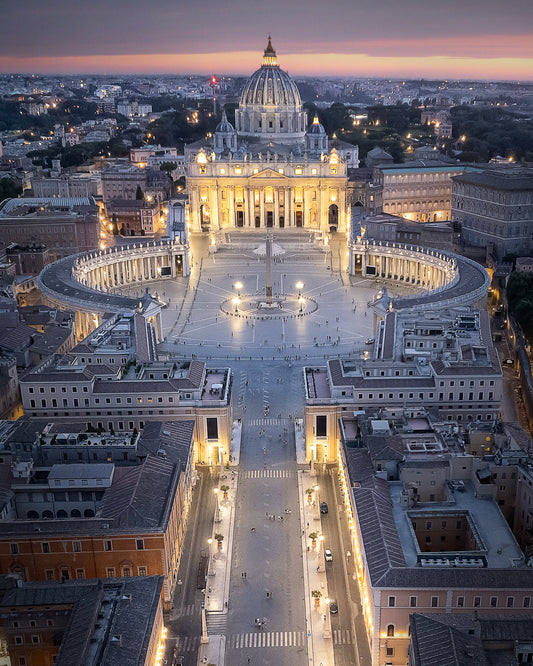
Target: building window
<point>212,427</point>
<point>19,640</point>
<point>45,547</point>
<point>80,574</point>
<point>108,545</point>
<point>110,572</point>
<point>412,602</point>
<point>76,546</point>
<point>35,638</point>
<point>392,602</point>
<point>526,603</point>
<point>510,602</point>
<point>493,602</point>
<point>390,652</point>
<point>321,422</point>
<point>140,544</point>
<point>477,602</point>
<point>460,601</point>
<point>390,631</point>
<point>49,574</point>
<point>434,602</point>
<point>14,548</point>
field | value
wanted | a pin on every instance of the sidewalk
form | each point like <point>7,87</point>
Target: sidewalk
<point>318,625</point>
<point>212,648</point>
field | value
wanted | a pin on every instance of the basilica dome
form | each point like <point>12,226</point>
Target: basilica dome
<point>270,106</point>
<point>270,85</point>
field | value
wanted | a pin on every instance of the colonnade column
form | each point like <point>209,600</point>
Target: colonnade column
<point>262,222</point>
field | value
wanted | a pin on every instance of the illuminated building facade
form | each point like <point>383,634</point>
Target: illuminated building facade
<point>270,171</point>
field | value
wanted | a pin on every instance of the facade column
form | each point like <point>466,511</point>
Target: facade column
<point>289,203</point>
<point>231,195</point>
<point>262,208</point>
<point>276,207</point>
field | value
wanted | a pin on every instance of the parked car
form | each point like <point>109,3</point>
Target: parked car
<point>328,556</point>
<point>333,608</point>
<point>323,507</point>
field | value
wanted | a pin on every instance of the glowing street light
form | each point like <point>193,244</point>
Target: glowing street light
<point>236,302</point>
<point>238,286</point>
<point>299,286</point>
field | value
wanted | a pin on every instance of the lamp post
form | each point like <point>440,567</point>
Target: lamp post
<point>299,285</point>
<point>236,302</point>
<point>217,506</point>
<point>301,301</point>
<point>238,286</point>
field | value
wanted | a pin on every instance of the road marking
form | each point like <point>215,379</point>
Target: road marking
<point>342,637</point>
<point>187,643</point>
<point>267,422</point>
<point>270,474</point>
<point>266,639</point>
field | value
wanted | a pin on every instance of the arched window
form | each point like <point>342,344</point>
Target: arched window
<point>48,514</point>
<point>33,515</point>
<point>62,513</point>
<point>390,631</point>
<point>88,513</point>
<point>75,513</point>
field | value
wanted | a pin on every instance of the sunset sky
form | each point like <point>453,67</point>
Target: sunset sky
<point>482,39</point>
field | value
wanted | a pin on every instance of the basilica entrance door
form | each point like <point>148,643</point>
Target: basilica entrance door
<point>240,218</point>
<point>333,217</point>
<point>257,221</point>
<point>299,218</point>
<point>281,221</point>
<point>270,218</point>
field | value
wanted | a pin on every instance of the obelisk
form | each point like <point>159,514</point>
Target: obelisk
<point>268,257</point>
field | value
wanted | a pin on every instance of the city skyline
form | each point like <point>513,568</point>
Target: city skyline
<point>481,40</point>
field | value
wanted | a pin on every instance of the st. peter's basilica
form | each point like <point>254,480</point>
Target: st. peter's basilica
<point>271,170</point>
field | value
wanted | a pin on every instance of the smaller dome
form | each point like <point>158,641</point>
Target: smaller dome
<point>316,127</point>
<point>224,125</point>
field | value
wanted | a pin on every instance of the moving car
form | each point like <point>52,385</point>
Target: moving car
<point>333,608</point>
<point>370,341</point>
<point>323,507</point>
<point>328,556</point>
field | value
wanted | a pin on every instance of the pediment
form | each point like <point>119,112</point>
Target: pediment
<point>268,173</point>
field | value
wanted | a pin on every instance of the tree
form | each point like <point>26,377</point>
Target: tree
<point>9,189</point>
<point>168,167</point>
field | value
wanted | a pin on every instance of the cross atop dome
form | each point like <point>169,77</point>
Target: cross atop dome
<point>269,57</point>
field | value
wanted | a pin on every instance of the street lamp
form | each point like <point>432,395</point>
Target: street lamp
<point>238,286</point>
<point>299,286</point>
<point>301,301</point>
<point>217,506</point>
<point>236,302</point>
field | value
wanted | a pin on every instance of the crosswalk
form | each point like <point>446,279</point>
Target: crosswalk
<point>216,623</point>
<point>255,639</point>
<point>270,474</point>
<point>267,422</point>
<point>267,639</point>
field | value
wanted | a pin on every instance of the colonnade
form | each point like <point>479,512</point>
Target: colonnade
<point>427,268</point>
<point>119,267</point>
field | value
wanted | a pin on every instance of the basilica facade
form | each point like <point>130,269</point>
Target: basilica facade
<point>271,170</point>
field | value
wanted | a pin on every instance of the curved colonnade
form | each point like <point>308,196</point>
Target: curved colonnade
<point>86,282</point>
<point>445,279</point>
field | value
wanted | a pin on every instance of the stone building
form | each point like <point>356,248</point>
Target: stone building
<point>419,190</point>
<point>64,225</point>
<point>78,519</point>
<point>443,360</point>
<point>66,624</point>
<point>494,209</point>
